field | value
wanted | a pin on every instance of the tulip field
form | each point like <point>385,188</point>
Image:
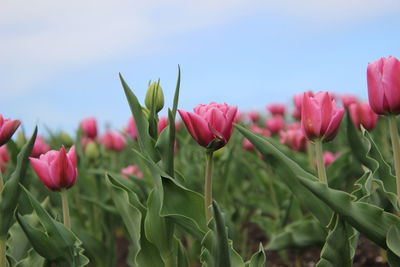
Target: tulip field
<point>313,183</point>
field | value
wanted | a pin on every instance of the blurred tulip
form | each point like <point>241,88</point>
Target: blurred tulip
<point>294,139</point>
<point>276,109</point>
<point>66,139</point>
<point>275,124</point>
<point>347,100</point>
<point>131,128</point>
<point>162,124</point>
<point>56,169</point>
<point>131,170</point>
<point>253,115</point>
<point>211,125</point>
<point>7,129</point>
<point>294,125</point>
<point>247,145</point>
<point>383,78</point>
<point>89,127</point>
<point>40,147</point>
<point>329,158</point>
<point>361,113</point>
<point>4,159</point>
<point>298,103</point>
<point>91,150</point>
<point>113,141</point>
<point>320,117</point>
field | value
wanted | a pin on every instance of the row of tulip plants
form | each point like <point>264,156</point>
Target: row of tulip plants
<point>221,188</point>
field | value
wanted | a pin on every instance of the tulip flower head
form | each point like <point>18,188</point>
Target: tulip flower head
<point>56,169</point>
<point>329,158</point>
<point>113,141</point>
<point>7,129</point>
<point>294,139</point>
<point>276,109</point>
<point>362,114</point>
<point>131,170</point>
<point>89,127</point>
<point>211,125</point>
<point>40,147</point>
<point>320,117</point>
<point>383,78</point>
<point>4,159</point>
<point>131,128</point>
<point>347,100</point>
<point>253,115</point>
<point>298,103</point>
<point>162,124</point>
<point>275,124</point>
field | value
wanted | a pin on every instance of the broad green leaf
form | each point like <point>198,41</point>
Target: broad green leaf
<point>11,190</point>
<point>165,145</point>
<point>258,259</point>
<point>32,259</point>
<point>393,239</point>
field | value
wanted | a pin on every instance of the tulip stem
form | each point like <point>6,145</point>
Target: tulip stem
<point>310,154</point>
<point>208,187</point>
<point>320,162</point>
<point>396,150</point>
<point>65,208</point>
<point>3,257</point>
<point>1,183</point>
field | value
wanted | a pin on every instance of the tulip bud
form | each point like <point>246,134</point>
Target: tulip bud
<point>347,100</point>
<point>4,158</point>
<point>20,140</point>
<point>362,114</point>
<point>40,147</point>
<point>275,124</point>
<point>145,112</point>
<point>276,109</point>
<point>92,151</point>
<point>66,139</point>
<point>89,127</point>
<point>154,90</point>
<point>131,170</point>
<point>113,141</point>
<point>7,129</point>
<point>294,139</point>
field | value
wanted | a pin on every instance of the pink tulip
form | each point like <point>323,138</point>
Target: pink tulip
<point>4,159</point>
<point>293,126</point>
<point>162,124</point>
<point>275,124</point>
<point>131,128</point>
<point>276,109</point>
<point>294,139</point>
<point>211,125</point>
<point>361,113</point>
<point>383,78</point>
<point>89,127</point>
<point>131,170</point>
<point>329,158</point>
<point>253,115</point>
<point>247,145</point>
<point>320,117</point>
<point>7,129</point>
<point>347,100</point>
<point>298,103</point>
<point>56,169</point>
<point>113,141</point>
<point>40,147</point>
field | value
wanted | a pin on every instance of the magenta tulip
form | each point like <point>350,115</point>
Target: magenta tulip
<point>113,141</point>
<point>276,109</point>
<point>131,128</point>
<point>56,169</point>
<point>329,158</point>
<point>131,170</point>
<point>7,129</point>
<point>383,78</point>
<point>4,159</point>
<point>275,124</point>
<point>162,124</point>
<point>89,127</point>
<point>298,103</point>
<point>347,100</point>
<point>211,125</point>
<point>320,117</point>
<point>253,115</point>
<point>362,114</point>
<point>294,139</point>
<point>40,147</point>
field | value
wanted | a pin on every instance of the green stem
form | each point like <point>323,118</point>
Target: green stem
<point>310,154</point>
<point>320,162</point>
<point>65,208</point>
<point>208,186</point>
<point>3,259</point>
<point>396,150</point>
<point>1,183</point>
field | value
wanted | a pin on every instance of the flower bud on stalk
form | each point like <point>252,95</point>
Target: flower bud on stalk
<point>7,129</point>
<point>362,114</point>
<point>4,158</point>
<point>40,147</point>
<point>89,127</point>
<point>154,91</point>
<point>92,151</point>
<point>66,139</point>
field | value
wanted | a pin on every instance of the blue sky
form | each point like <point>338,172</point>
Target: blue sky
<point>60,61</point>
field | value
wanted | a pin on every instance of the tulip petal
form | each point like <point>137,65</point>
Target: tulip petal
<point>72,155</point>
<point>333,127</point>
<point>310,117</point>
<point>201,130</point>
<point>391,83</point>
<point>42,171</point>
<point>186,119</point>
<point>375,86</point>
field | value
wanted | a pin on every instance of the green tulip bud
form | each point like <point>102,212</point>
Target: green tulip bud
<point>145,112</point>
<point>66,139</point>
<point>154,90</point>
<point>21,140</point>
<point>92,151</point>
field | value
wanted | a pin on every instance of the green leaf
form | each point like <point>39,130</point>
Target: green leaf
<point>11,190</point>
<point>393,239</point>
<point>308,200</point>
<point>166,145</point>
<point>176,95</point>
<point>258,259</point>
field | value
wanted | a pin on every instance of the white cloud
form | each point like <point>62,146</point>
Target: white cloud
<point>39,39</point>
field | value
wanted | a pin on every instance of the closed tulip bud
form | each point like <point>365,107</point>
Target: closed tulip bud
<point>7,129</point>
<point>156,91</point>
<point>91,150</point>
<point>276,109</point>
<point>294,139</point>
<point>275,124</point>
<point>56,169</point>
<point>253,115</point>
<point>131,170</point>
<point>89,127</point>
<point>347,100</point>
<point>4,159</point>
<point>320,117</point>
<point>40,147</point>
<point>66,139</point>
<point>113,141</point>
<point>362,114</point>
<point>20,140</point>
<point>211,125</point>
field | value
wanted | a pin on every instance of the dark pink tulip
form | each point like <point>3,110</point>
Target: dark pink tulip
<point>320,117</point>
<point>361,113</point>
<point>7,129</point>
<point>211,125</point>
<point>131,170</point>
<point>247,145</point>
<point>40,147</point>
<point>275,124</point>
<point>113,141</point>
<point>89,127</point>
<point>276,109</point>
<point>329,158</point>
<point>347,100</point>
<point>383,78</point>
<point>56,169</point>
<point>298,103</point>
<point>131,128</point>
<point>294,139</point>
<point>293,126</point>
<point>253,115</point>
<point>4,159</point>
<point>162,124</point>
